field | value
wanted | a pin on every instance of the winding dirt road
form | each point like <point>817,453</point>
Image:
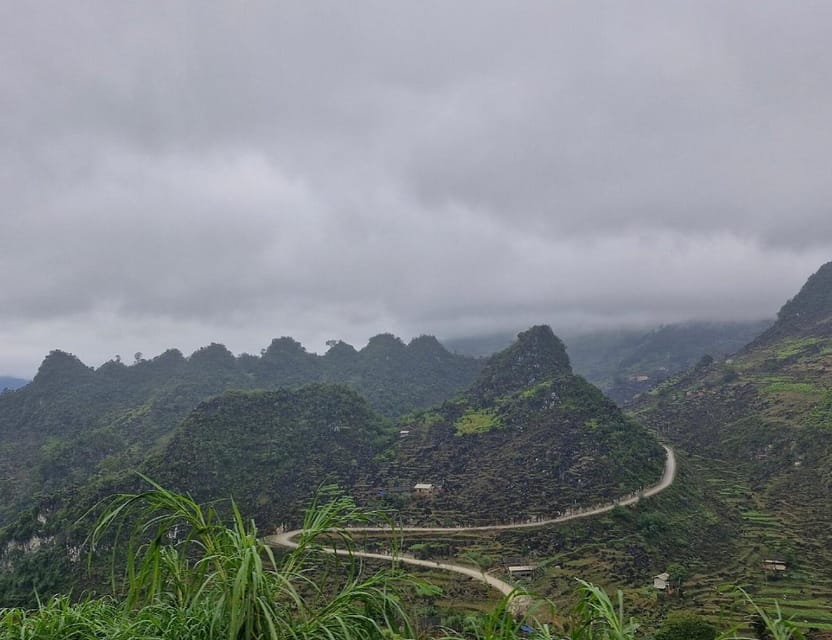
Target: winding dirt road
<point>286,539</point>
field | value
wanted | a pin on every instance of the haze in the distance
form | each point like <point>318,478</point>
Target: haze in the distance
<point>179,173</point>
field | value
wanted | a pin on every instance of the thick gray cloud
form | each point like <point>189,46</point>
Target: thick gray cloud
<point>177,173</point>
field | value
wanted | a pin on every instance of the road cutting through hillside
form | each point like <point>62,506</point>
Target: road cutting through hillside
<point>286,539</point>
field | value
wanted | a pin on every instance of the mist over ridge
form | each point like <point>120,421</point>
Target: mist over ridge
<point>326,173</point>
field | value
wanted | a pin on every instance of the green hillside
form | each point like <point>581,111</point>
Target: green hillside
<point>272,450</point>
<point>73,422</point>
<point>759,428</point>
<point>269,450</point>
<point>529,439</point>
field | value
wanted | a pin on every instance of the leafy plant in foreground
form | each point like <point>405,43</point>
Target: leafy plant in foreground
<point>599,618</point>
<point>774,627</point>
<point>187,575</point>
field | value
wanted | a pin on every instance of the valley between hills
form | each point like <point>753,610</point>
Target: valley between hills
<point>481,463</point>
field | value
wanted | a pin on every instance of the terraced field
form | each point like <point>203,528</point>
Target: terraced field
<point>613,550</point>
<point>803,592</point>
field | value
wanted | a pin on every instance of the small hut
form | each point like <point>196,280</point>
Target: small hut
<point>424,489</point>
<point>775,566</point>
<point>661,582</point>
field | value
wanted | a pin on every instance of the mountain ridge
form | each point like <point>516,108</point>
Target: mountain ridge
<point>808,311</point>
<point>11,383</point>
<point>624,363</point>
<point>547,437</point>
<point>73,421</point>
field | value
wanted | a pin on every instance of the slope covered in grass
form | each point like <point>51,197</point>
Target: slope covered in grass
<point>761,422</point>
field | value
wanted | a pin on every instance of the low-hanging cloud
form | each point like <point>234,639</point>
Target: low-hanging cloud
<point>180,173</point>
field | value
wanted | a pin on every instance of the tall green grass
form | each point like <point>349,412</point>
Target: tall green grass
<point>186,574</point>
<point>181,573</point>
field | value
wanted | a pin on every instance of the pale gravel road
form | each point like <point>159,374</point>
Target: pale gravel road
<point>286,539</point>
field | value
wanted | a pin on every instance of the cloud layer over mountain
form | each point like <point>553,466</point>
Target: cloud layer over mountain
<point>177,173</point>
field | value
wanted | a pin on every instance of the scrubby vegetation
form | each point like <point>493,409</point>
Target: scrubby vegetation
<point>477,422</point>
<point>73,423</point>
<point>281,445</point>
<point>186,575</point>
<point>758,426</point>
<point>625,363</point>
<point>529,439</point>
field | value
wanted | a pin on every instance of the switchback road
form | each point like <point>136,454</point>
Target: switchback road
<point>286,539</point>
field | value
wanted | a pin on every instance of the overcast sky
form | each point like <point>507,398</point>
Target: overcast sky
<point>176,173</point>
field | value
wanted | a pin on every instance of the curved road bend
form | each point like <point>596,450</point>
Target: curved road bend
<point>286,539</point>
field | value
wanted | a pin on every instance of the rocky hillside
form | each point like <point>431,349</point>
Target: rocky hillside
<point>809,312</point>
<point>530,438</point>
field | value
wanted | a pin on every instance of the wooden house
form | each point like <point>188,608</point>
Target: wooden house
<point>775,566</point>
<point>522,571</point>
<point>661,582</point>
<point>424,489</point>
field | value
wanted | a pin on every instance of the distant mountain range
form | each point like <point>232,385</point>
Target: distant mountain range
<point>10,383</point>
<point>625,363</point>
<point>73,422</point>
<point>526,438</point>
<point>515,436</point>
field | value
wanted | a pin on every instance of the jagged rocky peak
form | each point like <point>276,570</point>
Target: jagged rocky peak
<point>386,343</point>
<point>213,354</point>
<point>285,346</point>
<point>427,345</point>
<point>340,354</point>
<point>61,367</point>
<point>811,307</point>
<point>537,355</point>
<point>339,348</point>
